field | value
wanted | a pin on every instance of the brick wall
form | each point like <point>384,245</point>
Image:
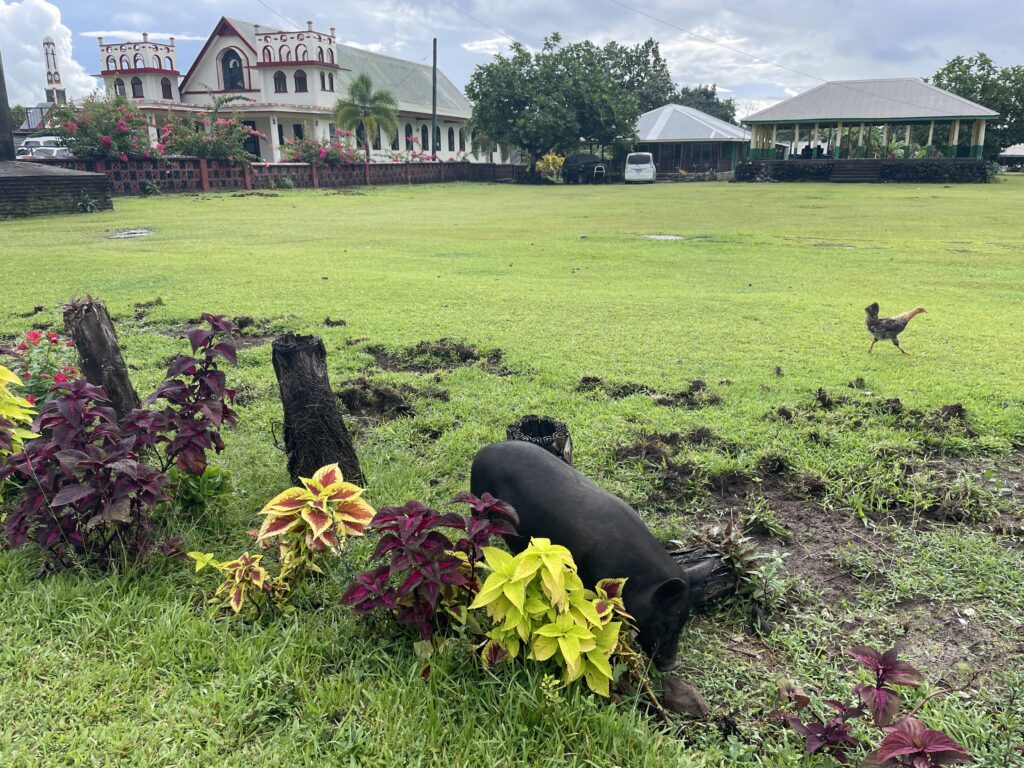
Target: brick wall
<point>192,174</point>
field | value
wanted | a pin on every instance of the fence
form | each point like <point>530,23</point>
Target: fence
<point>193,174</point>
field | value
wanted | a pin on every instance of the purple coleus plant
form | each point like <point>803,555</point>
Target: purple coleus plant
<point>881,701</point>
<point>911,743</point>
<point>833,736</point>
<point>425,576</point>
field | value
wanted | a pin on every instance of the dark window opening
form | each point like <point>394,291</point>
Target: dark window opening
<point>451,139</point>
<point>298,131</point>
<point>119,87</point>
<point>231,68</point>
<point>280,83</point>
<point>408,135</point>
<point>300,82</point>
<point>165,88</point>
<point>462,140</point>
<point>425,138</point>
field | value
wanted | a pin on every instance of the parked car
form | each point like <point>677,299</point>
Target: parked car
<point>41,147</point>
<point>640,168</point>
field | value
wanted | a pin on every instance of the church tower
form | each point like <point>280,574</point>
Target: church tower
<point>55,93</point>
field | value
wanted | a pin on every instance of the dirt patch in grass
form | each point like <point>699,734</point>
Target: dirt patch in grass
<point>330,323</point>
<point>432,356</point>
<point>697,395</point>
<point>365,398</point>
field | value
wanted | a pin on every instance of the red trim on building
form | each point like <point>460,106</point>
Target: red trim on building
<point>143,70</point>
<point>304,63</point>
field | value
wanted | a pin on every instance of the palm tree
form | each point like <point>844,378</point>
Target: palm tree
<point>372,109</point>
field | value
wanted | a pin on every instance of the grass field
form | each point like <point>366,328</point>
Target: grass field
<point>904,518</point>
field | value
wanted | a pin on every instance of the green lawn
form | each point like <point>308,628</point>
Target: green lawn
<point>900,516</point>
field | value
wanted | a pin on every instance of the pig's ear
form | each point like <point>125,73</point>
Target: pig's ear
<point>670,592</point>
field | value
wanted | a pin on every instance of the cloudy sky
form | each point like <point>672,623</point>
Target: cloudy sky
<point>757,51</point>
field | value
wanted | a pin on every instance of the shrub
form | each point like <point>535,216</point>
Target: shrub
<point>308,522</point>
<point>426,579</point>
<point>218,138</point>
<point>550,166</point>
<point>86,494</point>
<point>197,397</point>
<point>15,415</point>
<point>109,128</point>
<point>45,364</point>
<point>325,151</point>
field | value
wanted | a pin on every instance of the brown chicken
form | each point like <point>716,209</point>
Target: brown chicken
<point>888,327</point>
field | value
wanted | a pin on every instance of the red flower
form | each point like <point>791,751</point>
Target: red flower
<point>34,336</point>
<point>69,343</point>
<point>22,347</point>
<point>60,378</point>
<point>124,158</point>
<point>122,126</point>
<point>31,399</point>
<point>53,338</point>
<point>106,141</point>
<point>27,375</point>
<point>71,126</point>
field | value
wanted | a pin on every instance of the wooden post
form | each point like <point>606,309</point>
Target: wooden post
<point>837,150</point>
<point>931,136</point>
<point>775,133</point>
<point>981,138</point>
<point>314,432</point>
<point>88,323</point>
<point>817,140</point>
<point>954,139</point>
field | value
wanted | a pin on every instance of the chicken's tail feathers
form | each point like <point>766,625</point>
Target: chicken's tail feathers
<point>872,310</point>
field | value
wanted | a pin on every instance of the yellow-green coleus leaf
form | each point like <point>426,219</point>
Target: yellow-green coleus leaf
<point>203,559</point>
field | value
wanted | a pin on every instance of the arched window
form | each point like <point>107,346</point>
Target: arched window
<point>231,69</point>
<point>156,62</point>
<point>394,141</point>
<point>451,139</point>
<point>268,53</point>
<point>284,53</point>
<point>165,88</point>
<point>119,87</point>
<point>473,137</point>
<point>424,138</point>
<point>301,54</point>
<point>168,64</point>
<point>49,78</point>
<point>280,82</point>
<point>111,63</point>
<point>360,136</point>
<point>330,82</point>
<point>124,62</point>
<point>139,62</point>
<point>376,137</point>
<point>408,135</point>
<point>300,82</point>
<point>330,55</point>
<point>323,82</point>
<point>462,140</point>
<point>437,140</point>
<point>320,53</point>
<point>136,88</point>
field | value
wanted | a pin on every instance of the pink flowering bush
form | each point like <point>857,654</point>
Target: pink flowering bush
<point>105,128</point>
<point>325,152</point>
<point>45,363</point>
<point>219,138</point>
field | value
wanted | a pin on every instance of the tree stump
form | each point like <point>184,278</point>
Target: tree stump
<point>711,577</point>
<point>549,434</point>
<point>314,432</point>
<point>88,323</point>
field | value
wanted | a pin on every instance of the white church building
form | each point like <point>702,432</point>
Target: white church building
<point>290,81</point>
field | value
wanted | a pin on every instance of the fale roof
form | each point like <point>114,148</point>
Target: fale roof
<point>872,100</point>
<point>408,81</point>
<point>674,122</point>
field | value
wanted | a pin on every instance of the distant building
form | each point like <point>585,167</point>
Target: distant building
<point>686,139</point>
<point>289,81</point>
<point>857,119</point>
<point>55,93</point>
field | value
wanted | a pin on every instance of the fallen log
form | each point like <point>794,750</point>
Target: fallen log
<point>711,577</point>
<point>550,434</point>
<point>314,432</point>
<point>88,323</point>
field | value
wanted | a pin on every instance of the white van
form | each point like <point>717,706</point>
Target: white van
<point>640,168</point>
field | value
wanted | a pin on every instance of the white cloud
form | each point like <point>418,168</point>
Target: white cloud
<point>23,25</point>
<point>130,34</point>
<point>491,47</point>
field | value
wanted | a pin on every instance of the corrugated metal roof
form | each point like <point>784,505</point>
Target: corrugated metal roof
<point>408,81</point>
<point>871,100</point>
<point>674,122</point>
<point>1017,150</point>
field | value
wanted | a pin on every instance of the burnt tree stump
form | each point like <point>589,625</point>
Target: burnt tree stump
<point>550,434</point>
<point>88,323</point>
<point>711,577</point>
<point>314,432</point>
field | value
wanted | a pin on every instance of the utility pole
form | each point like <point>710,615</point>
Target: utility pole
<point>433,104</point>
<point>6,123</point>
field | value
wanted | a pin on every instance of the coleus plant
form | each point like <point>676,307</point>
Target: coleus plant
<point>425,578</point>
<point>910,743</point>
<point>86,494</point>
<point>198,400</point>
<point>307,522</point>
<point>15,416</point>
<point>538,605</point>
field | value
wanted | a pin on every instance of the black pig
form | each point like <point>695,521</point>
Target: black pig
<point>605,535</point>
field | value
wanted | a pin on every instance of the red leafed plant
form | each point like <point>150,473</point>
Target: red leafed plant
<point>908,744</point>
<point>197,400</point>
<point>426,578</point>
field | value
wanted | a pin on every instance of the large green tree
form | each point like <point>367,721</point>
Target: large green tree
<point>642,71</point>
<point>372,110</point>
<point>552,100</point>
<point>1001,89</point>
<point>18,115</point>
<point>705,98</point>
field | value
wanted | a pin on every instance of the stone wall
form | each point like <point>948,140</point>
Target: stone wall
<point>29,190</point>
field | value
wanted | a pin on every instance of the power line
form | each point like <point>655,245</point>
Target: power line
<point>280,16</point>
<point>481,23</point>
